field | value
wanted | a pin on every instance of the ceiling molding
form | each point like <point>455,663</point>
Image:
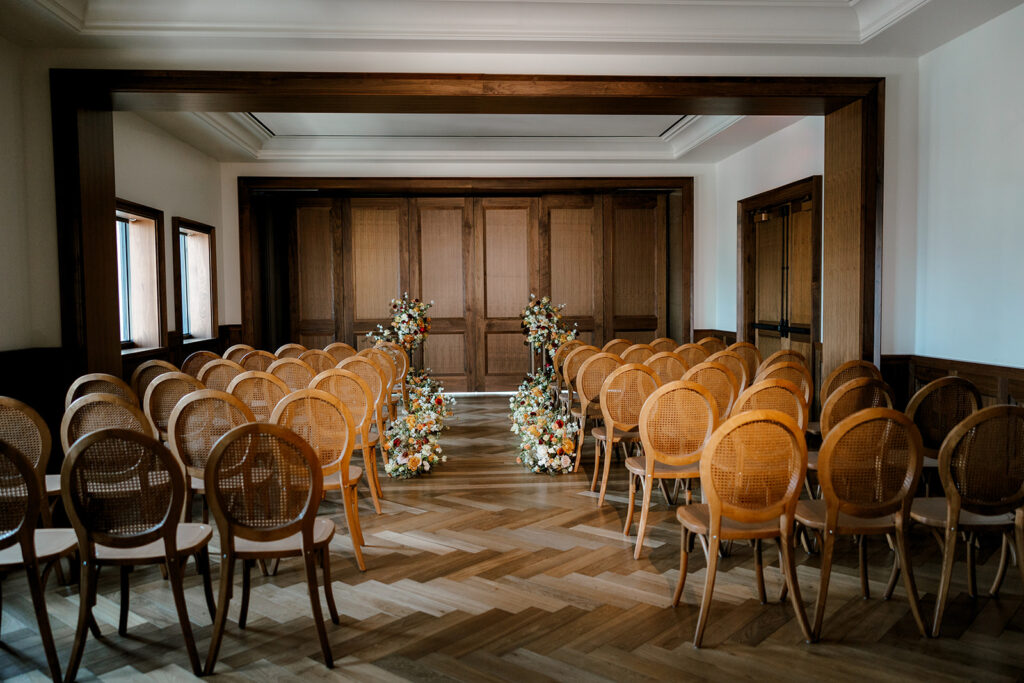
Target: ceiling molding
<point>240,130</point>
<point>694,131</point>
<point>70,12</point>
<point>876,16</point>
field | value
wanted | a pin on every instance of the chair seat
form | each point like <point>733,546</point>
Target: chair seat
<point>332,481</point>
<point>638,465</point>
<point>697,518</point>
<point>593,410</point>
<point>50,544</point>
<point>323,532</point>
<point>53,484</point>
<point>812,460</point>
<point>814,428</point>
<point>811,513</point>
<point>932,512</point>
<point>600,432</point>
<point>191,537</point>
<point>371,442</point>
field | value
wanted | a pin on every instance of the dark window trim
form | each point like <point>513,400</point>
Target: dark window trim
<point>178,224</point>
<point>157,216</point>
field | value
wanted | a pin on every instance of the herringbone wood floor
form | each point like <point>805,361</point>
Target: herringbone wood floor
<point>485,572</point>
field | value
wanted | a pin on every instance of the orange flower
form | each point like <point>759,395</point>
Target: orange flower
<point>414,462</point>
<point>568,446</point>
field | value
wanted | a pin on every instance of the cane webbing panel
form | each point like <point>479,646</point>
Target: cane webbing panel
<point>986,462</point>
<point>258,360</point>
<point>852,397</point>
<point>692,354</point>
<point>164,393</point>
<point>350,389</point>
<point>318,360</point>
<point>676,423</point>
<point>201,419</point>
<point>293,372</point>
<point>667,365</point>
<point>261,391</point>
<point>217,374</point>
<point>871,463</point>
<point>756,464</point>
<point>194,363</point>
<point>941,405</point>
<point>321,421</point>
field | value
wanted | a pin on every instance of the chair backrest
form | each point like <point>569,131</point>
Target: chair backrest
<point>562,353</point>
<point>851,369</point>
<point>616,346</point>
<point>195,362</point>
<point>574,361</point>
<point>24,430</point>
<point>318,360</point>
<point>869,464</point>
<point>711,344</point>
<point>940,405</point>
<point>668,365</point>
<point>717,379</point>
<point>675,423</point>
<point>353,391</point>
<point>122,489</point>
<point>387,367</point>
<point>737,366</point>
<point>257,360</point>
<point>753,468</point>
<point>272,484</point>
<point>398,355</point>
<point>638,353</point>
<point>623,394</point>
<point>324,423</point>
<point>101,411</point>
<point>981,462</point>
<point>259,391</point>
<point>774,394</point>
<point>367,371</point>
<point>591,377</point>
<point>664,344</point>
<point>99,383</point>
<point>163,394</point>
<point>751,357</point>
<point>339,351</point>
<point>852,397</point>
<point>237,352</point>
<point>792,371</point>
<point>20,496</point>
<point>781,356</point>
<point>692,354</point>
<point>290,351</point>
<point>147,372</point>
<point>217,374</point>
<point>198,422</point>
<point>295,373</point>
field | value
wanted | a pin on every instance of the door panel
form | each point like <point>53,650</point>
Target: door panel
<point>574,224</point>
<point>313,307</point>
<point>636,279</point>
<point>377,225</point>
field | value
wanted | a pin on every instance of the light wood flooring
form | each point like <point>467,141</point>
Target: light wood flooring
<point>483,571</point>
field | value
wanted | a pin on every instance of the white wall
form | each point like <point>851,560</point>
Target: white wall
<point>971,196</point>
<point>155,169</point>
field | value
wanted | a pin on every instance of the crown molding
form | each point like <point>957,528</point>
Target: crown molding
<point>240,130</point>
<point>875,16</point>
<point>694,131</point>
<point>71,13</point>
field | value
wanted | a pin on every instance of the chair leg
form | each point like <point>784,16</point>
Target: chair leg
<point>972,574</point>
<point>609,449</point>
<point>203,562</point>
<point>648,484</point>
<point>86,599</point>
<point>903,560</point>
<point>862,565</point>
<point>709,589</point>
<point>1018,537</point>
<point>670,499</point>
<point>597,463</point>
<point>784,591</point>
<point>354,530</point>
<point>370,465</point>
<point>36,586</point>
<point>122,623</point>
<point>176,575</point>
<point>581,435</point>
<point>243,611</point>
<point>325,567</point>
<point>894,573</point>
<point>684,557</point>
<point>759,571</point>
<point>788,543</point>
<point>1004,556</point>
<point>948,555</point>
<point>314,601</point>
<point>828,543</point>
<point>46,515</point>
<point>227,570</point>
<point>629,507</point>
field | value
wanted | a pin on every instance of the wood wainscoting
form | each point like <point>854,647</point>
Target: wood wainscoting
<point>998,384</point>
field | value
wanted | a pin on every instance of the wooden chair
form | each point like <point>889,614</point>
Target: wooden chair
<point>558,360</point>
<point>669,366</point>
<point>389,372</point>
<point>938,407</point>
<point>259,391</point>
<point>355,393</point>
<point>99,383</point>
<point>290,351</point>
<point>750,354</point>
<point>622,396</point>
<point>237,352</point>
<point>571,367</point>
<point>781,356</point>
<point>851,369</point>
<point>664,344</point>
<point>852,397</point>
<point>717,379</point>
<point>272,514</point>
<point>369,372</point>
<point>774,394</point>
<point>296,374</point>
<point>325,423</point>
<point>638,353</point>
<point>147,372</point>
<point>257,360</point>
<point>751,472</point>
<point>22,545</point>
<point>589,380</point>
<point>737,366</point>
<point>675,423</point>
<point>792,371</point>
<point>101,411</point>
<point>692,354</point>
<point>868,469</point>
<point>340,351</point>
<point>24,430</point>
<point>981,466</point>
<point>318,360</point>
<point>195,426</point>
<point>195,362</point>
<point>124,492</point>
<point>217,374</point>
<point>711,344</point>
<point>163,394</point>
<point>616,346</point>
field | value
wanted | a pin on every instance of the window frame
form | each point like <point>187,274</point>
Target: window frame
<point>179,224</point>
<point>126,210</point>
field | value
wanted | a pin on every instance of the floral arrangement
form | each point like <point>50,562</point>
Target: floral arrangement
<point>546,438</point>
<point>542,323</point>
<point>411,443</point>
<point>410,324</point>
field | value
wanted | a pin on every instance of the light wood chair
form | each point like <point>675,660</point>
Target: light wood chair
<point>938,407</point>
<point>369,372</point>
<point>196,424</point>
<point>751,357</point>
<point>259,391</point>
<point>101,411</point>
<point>868,469</point>
<point>638,353</point>
<point>711,344</point>
<point>271,515</point>
<point>237,352</point>
<point>357,396</point>
<point>669,366</point>
<point>571,367</point>
<point>557,362</point>
<point>257,360</point>
<point>792,371</point>
<point>146,372</point>
<point>781,356</point>
<point>751,472</point>
<point>616,346</point>
<point>622,396</point>
<point>296,374</point>
<point>22,545</point>
<point>851,369</point>
<point>325,423</point>
<point>290,351</point>
<point>99,383</point>
<point>717,379</point>
<point>589,380</point>
<point>664,344</point>
<point>318,360</point>
<point>389,371</point>
<point>692,354</point>
<point>163,394</point>
<point>217,374</point>
<point>195,362</point>
<point>124,492</point>
<point>339,351</point>
<point>774,394</point>
<point>981,466</point>
<point>401,360</point>
<point>851,398</point>
<point>737,366</point>
<point>675,423</point>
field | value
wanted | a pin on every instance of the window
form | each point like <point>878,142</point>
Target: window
<point>140,276</point>
<point>197,283</point>
<point>123,281</point>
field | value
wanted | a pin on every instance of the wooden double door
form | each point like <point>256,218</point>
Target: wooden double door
<point>479,259</point>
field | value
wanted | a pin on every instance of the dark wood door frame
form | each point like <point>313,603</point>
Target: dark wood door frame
<point>82,101</point>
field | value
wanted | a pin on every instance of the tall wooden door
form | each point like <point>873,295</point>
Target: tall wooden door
<point>571,232</point>
<point>315,263</point>
<point>635,249</point>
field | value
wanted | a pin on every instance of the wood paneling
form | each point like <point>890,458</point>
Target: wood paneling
<point>507,354</point>
<point>441,264</point>
<point>907,373</point>
<point>314,307</point>
<point>506,225</point>
<point>377,255</point>
<point>636,281</point>
<point>573,259</point>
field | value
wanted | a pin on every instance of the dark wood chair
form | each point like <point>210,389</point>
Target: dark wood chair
<point>340,351</point>
<point>257,360</point>
<point>218,373</point>
<point>163,394</point>
<point>101,411</point>
<point>616,346</point>
<point>296,374</point>
<point>196,361</point>
<point>852,369</point>
<point>99,383</point>
<point>147,372</point>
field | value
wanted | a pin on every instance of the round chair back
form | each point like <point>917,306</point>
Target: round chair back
<point>573,363</point>
<point>692,354</point>
<point>668,365</point>
<point>981,463</point>
<point>293,372</point>
<point>163,394</point>
<point>237,352</point>
<point>257,360</point>
<point>195,362</point>
<point>24,430</point>
<point>717,379</point>
<point>675,423</point>
<point>852,369</point>
<point>217,374</point>
<point>591,377</point>
<point>339,351</point>
<point>781,356</point>
<point>290,351</point>
<point>147,372</point>
<point>792,371</point>
<point>101,411</point>
<point>259,391</point>
<point>318,360</point>
<point>353,391</point>
<point>664,344</point>
<point>616,346</point>
<point>623,394</point>
<point>941,405</point>
<point>99,383</point>
<point>638,353</point>
<point>711,344</point>
<point>853,397</point>
<point>198,422</point>
<point>751,357</point>
<point>737,366</point>
<point>324,423</point>
<point>774,394</point>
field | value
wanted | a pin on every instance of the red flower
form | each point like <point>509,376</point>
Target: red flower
<point>438,401</point>
<point>559,423</point>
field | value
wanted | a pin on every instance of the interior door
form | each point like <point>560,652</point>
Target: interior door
<point>314,259</point>
<point>572,225</point>
<point>635,251</point>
